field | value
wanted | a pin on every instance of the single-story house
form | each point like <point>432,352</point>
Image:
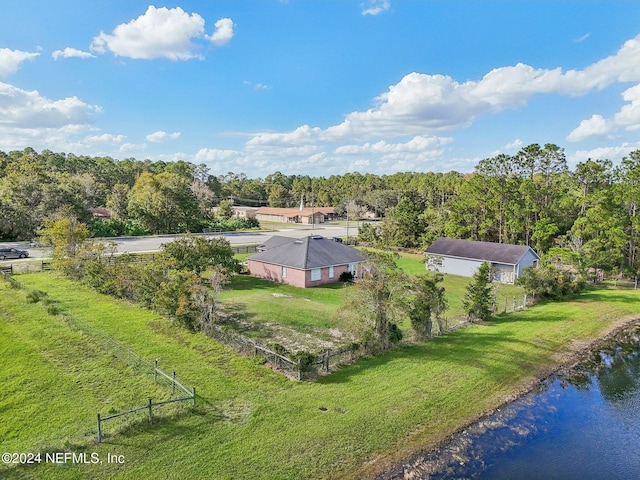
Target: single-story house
<point>240,211</point>
<point>305,262</point>
<point>308,215</point>
<point>244,212</point>
<point>463,257</point>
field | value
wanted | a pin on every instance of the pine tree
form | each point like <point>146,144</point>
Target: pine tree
<point>477,301</point>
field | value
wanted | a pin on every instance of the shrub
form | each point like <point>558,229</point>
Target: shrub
<point>36,296</point>
<point>233,224</point>
<point>305,360</point>
<point>116,228</point>
<point>547,281</point>
<point>346,277</point>
<point>395,334</point>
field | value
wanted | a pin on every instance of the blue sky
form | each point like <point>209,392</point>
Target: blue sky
<point>320,87</point>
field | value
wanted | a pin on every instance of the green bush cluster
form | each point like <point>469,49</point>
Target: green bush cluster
<point>232,224</point>
<point>116,228</point>
<point>123,228</point>
<point>548,281</point>
<point>170,284</point>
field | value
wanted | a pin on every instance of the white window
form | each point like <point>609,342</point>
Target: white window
<point>284,272</point>
<point>331,273</point>
<point>352,267</point>
<point>315,275</point>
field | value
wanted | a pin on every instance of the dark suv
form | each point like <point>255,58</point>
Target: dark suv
<point>12,253</point>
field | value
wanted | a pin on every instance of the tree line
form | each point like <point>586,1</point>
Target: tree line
<point>587,216</point>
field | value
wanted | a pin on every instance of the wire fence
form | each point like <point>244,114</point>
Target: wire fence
<point>140,364</point>
<point>299,367</point>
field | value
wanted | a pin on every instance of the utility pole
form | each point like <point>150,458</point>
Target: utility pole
<point>313,216</point>
<point>347,222</point>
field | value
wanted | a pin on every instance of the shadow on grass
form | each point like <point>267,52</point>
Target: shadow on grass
<point>247,282</point>
<point>612,296</point>
<point>498,354</point>
<point>528,316</point>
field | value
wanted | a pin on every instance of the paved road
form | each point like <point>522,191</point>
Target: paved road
<point>153,243</point>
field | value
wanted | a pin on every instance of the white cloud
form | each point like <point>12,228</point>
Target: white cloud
<point>71,53</point>
<point>223,32</point>
<point>517,144</point>
<point>629,115</point>
<point>257,86</point>
<point>105,138</point>
<point>132,147</point>
<point>596,126</point>
<point>10,60</point>
<point>161,33</point>
<point>216,155</point>
<point>28,109</point>
<point>418,144</point>
<point>159,137</point>
<point>612,153</point>
<point>375,7</point>
<point>582,38</point>
<point>422,104</point>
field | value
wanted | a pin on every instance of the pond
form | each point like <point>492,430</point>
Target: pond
<point>581,424</point>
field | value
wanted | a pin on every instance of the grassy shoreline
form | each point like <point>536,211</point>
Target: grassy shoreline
<point>253,423</point>
<point>392,469</point>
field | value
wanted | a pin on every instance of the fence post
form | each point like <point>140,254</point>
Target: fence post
<point>299,370</point>
<point>155,371</point>
<point>326,360</point>
<point>525,301</point>
<point>635,286</point>
<point>150,414</point>
<point>505,304</point>
<point>99,430</point>
<point>514,303</point>
<point>173,384</point>
<point>194,396</point>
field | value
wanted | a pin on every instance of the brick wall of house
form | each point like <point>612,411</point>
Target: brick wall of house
<point>324,276</point>
<point>274,273</point>
<point>296,278</point>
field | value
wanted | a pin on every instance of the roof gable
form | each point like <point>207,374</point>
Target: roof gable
<point>309,252</point>
<point>487,251</point>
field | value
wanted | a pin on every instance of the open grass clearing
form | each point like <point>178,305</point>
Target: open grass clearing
<point>297,318</point>
<point>55,379</point>
<point>305,318</point>
<point>254,423</point>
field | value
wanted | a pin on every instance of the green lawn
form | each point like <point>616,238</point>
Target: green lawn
<point>284,314</point>
<point>252,422</point>
<point>294,317</point>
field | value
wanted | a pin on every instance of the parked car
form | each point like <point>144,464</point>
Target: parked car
<point>12,253</point>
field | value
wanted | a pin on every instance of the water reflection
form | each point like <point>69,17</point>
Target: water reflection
<point>583,424</point>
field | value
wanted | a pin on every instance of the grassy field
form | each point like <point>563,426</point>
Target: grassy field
<point>252,422</point>
<point>305,317</point>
